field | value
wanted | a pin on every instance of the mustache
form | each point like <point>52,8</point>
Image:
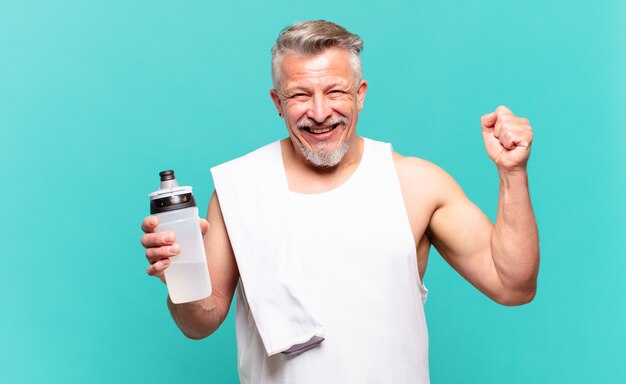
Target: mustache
<point>305,122</point>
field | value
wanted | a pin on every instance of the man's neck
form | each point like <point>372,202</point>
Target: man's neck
<point>304,177</point>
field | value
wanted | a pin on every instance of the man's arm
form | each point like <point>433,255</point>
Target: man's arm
<point>200,318</point>
<point>501,260</point>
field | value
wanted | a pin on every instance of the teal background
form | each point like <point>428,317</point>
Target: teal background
<point>97,97</point>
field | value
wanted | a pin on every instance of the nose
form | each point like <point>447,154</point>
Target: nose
<point>320,108</point>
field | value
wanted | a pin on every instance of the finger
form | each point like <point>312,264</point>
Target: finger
<point>498,128</point>
<point>160,276</point>
<point>488,120</point>
<point>517,129</point>
<point>502,110</point>
<point>155,254</point>
<point>149,224</point>
<point>507,140</point>
<point>524,139</point>
<point>204,226</point>
<point>157,268</point>
<point>160,239</point>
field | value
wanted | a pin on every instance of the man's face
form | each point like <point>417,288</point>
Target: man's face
<point>320,100</point>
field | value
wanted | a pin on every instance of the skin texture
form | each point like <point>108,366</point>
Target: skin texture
<point>501,259</point>
<point>319,88</point>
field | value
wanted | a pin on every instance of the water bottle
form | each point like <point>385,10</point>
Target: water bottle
<point>187,275</point>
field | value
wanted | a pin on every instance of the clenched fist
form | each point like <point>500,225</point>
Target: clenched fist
<point>507,139</point>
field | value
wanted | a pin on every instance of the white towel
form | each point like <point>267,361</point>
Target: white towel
<point>252,192</point>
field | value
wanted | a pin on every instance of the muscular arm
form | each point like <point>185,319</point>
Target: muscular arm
<point>201,318</point>
<point>501,260</point>
<point>514,238</point>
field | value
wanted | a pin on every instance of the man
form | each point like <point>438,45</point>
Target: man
<point>362,219</point>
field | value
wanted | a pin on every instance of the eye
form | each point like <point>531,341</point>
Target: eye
<point>299,96</point>
<point>335,93</point>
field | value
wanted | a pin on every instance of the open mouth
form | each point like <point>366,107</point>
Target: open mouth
<point>321,130</point>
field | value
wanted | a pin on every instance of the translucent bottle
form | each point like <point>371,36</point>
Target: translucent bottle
<point>187,275</point>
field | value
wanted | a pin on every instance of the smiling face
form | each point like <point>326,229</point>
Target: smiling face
<point>319,97</point>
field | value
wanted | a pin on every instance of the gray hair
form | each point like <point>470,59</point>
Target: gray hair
<point>314,37</point>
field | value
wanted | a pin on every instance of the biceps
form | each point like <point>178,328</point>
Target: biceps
<point>461,233</point>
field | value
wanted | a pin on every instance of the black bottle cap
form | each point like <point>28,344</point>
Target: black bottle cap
<point>167,175</point>
<point>170,196</point>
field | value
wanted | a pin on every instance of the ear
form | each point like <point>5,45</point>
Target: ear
<point>360,94</point>
<point>276,100</point>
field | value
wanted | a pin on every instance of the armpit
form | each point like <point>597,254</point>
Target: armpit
<point>423,249</point>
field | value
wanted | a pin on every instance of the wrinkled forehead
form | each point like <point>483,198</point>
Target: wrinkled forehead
<point>331,65</point>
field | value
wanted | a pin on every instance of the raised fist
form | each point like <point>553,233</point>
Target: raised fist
<point>507,139</point>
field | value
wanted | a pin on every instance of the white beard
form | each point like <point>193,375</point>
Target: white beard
<point>322,157</point>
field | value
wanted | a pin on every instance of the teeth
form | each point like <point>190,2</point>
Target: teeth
<point>320,130</point>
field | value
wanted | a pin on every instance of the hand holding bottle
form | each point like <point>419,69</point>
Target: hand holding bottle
<point>177,232</point>
<point>161,246</point>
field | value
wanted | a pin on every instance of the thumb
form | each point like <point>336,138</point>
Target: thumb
<point>488,121</point>
<point>204,226</point>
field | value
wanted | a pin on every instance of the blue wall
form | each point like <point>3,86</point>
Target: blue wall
<point>97,97</point>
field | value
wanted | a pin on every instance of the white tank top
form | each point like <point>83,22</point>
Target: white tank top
<point>359,256</point>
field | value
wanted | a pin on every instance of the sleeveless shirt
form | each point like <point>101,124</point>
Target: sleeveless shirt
<point>358,255</point>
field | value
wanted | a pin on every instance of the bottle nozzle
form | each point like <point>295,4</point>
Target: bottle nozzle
<point>168,180</point>
<point>170,196</point>
<point>167,175</point>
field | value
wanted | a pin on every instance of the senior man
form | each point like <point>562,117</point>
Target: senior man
<point>353,221</point>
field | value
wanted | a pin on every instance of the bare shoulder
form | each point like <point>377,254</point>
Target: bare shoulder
<point>421,179</point>
<point>408,165</point>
